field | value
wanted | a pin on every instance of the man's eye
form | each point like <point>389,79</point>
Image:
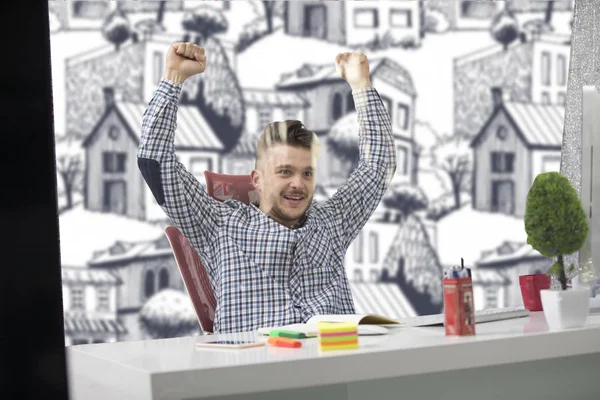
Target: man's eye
<point>309,173</point>
<point>284,171</point>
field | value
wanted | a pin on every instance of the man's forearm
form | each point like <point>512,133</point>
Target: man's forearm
<point>159,122</point>
<point>376,143</point>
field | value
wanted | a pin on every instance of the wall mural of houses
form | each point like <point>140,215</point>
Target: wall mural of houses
<point>475,92</point>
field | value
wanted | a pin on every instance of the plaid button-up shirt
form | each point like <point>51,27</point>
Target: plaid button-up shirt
<point>263,273</point>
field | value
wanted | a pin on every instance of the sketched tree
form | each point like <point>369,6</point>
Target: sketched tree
<point>218,95</point>
<point>69,168</point>
<point>549,12</point>
<point>206,21</point>
<point>505,28</point>
<point>271,9</point>
<point>167,314</point>
<point>116,28</point>
<point>160,12</point>
<point>342,140</point>
<point>406,199</point>
<point>452,160</point>
<point>411,261</point>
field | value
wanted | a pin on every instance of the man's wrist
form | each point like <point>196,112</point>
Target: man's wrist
<point>366,83</point>
<point>174,76</point>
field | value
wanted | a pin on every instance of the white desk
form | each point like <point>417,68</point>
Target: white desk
<point>513,359</point>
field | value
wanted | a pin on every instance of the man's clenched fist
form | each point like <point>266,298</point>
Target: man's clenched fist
<point>184,60</point>
<point>354,68</point>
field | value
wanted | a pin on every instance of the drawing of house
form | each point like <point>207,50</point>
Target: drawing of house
<point>135,69</point>
<point>112,180</point>
<point>511,260</point>
<point>491,288</point>
<point>330,99</point>
<point>469,15</point>
<point>90,14</point>
<point>381,298</point>
<point>408,259</point>
<point>155,53</point>
<point>517,142</point>
<point>533,71</point>
<point>354,22</point>
<point>90,300</point>
<point>478,15</point>
<point>550,70</point>
<point>240,160</point>
<point>365,255</point>
<point>469,234</point>
<point>148,267</point>
<point>144,268</point>
<point>262,106</point>
<point>522,6</point>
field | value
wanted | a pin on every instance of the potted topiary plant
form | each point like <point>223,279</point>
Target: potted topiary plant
<point>556,226</point>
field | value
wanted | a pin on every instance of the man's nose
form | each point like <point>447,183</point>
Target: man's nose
<point>296,181</point>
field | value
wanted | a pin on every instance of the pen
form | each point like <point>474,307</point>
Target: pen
<point>284,342</point>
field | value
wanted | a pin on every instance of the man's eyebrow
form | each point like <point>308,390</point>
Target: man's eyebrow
<point>288,166</point>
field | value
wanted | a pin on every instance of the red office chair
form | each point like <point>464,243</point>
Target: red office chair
<point>224,187</point>
<point>221,187</point>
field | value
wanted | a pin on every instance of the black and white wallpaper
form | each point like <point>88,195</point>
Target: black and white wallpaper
<point>475,91</point>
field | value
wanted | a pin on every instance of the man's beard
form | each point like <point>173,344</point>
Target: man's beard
<point>285,216</point>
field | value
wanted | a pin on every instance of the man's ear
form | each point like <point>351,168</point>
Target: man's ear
<point>256,179</point>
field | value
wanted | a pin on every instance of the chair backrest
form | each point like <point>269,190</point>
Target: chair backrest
<point>225,187</point>
<point>197,282</point>
<point>195,278</point>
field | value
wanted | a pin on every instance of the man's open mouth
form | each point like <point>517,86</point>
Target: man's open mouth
<point>293,200</point>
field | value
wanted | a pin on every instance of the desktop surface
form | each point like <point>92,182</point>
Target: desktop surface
<point>184,371</point>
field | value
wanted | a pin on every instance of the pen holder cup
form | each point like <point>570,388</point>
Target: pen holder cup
<point>459,308</point>
<point>530,290</point>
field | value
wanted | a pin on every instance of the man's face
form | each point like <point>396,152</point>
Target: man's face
<point>285,179</point>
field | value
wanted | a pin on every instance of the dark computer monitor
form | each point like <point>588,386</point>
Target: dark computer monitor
<point>32,352</point>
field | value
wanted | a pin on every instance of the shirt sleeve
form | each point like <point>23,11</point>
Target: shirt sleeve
<point>355,201</point>
<point>181,196</point>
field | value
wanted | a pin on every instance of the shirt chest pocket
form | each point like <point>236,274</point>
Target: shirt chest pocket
<point>317,252</point>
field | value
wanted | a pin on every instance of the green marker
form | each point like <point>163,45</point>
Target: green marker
<point>287,334</point>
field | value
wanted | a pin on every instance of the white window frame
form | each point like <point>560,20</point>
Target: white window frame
<point>371,13</point>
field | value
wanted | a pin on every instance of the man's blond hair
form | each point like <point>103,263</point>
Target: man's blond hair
<point>289,132</point>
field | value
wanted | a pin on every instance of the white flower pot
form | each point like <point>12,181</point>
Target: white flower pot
<point>565,309</point>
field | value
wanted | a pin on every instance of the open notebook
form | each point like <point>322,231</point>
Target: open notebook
<point>368,324</point>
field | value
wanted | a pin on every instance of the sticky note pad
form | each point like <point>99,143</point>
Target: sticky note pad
<point>337,335</point>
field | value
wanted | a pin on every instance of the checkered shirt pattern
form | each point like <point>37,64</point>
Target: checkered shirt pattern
<point>263,273</point>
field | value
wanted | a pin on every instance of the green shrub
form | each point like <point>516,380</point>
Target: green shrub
<point>555,222</point>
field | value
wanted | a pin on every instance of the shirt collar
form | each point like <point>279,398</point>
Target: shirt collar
<point>297,225</point>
